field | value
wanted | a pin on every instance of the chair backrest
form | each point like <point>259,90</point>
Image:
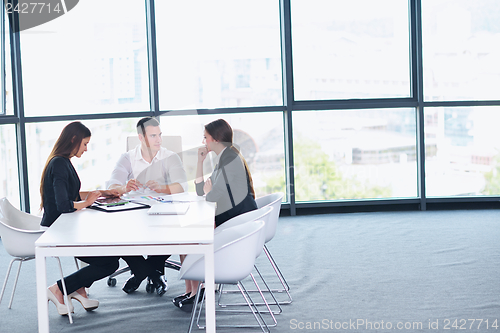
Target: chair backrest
<point>171,142</point>
<point>234,250</point>
<point>272,200</point>
<point>263,214</point>
<point>18,230</point>
<point>13,217</point>
<point>17,242</point>
<point>257,214</point>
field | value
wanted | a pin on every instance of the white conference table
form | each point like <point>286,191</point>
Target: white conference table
<point>94,233</point>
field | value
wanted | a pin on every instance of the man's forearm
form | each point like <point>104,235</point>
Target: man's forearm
<point>173,188</point>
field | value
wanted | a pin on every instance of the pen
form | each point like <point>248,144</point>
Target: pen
<point>162,199</point>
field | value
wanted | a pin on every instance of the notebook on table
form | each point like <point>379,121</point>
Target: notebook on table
<point>171,208</point>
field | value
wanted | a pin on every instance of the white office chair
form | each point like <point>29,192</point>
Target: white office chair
<point>19,232</point>
<point>23,220</point>
<point>235,250</point>
<point>271,200</point>
<point>264,214</point>
<point>274,200</point>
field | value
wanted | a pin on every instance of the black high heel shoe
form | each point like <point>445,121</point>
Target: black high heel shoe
<point>179,298</point>
<point>187,303</point>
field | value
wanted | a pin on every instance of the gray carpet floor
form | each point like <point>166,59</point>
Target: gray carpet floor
<point>360,272</point>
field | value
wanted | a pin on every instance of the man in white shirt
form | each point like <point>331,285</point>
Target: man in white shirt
<point>149,165</point>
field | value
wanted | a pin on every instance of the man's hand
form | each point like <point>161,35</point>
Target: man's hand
<point>133,185</point>
<point>153,185</point>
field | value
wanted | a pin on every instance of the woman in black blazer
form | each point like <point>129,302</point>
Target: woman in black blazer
<point>60,192</point>
<point>230,186</point>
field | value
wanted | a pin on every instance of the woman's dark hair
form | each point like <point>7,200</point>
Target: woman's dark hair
<point>222,132</point>
<point>67,144</point>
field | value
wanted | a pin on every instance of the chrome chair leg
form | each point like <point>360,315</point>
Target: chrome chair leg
<point>64,291</point>
<point>284,283</point>
<point>265,301</point>
<point>21,260</point>
<point>261,292</point>
<point>76,263</point>
<point>253,309</point>
<point>277,270</point>
<point>278,304</point>
<point>256,313</point>
<point>195,306</point>
<point>6,278</point>
<point>15,282</point>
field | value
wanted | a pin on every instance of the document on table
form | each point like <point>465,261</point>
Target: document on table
<point>169,208</point>
<point>151,199</point>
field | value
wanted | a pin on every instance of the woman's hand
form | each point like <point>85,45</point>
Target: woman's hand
<point>202,153</point>
<point>91,197</point>
<point>208,186</point>
<point>111,193</point>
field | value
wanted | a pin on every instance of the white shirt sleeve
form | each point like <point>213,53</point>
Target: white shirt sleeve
<point>122,171</point>
<point>174,171</point>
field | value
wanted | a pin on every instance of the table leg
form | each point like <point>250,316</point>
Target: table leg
<point>210,289</point>
<point>41,289</point>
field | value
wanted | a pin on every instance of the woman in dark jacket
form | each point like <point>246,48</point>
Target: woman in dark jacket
<point>230,186</point>
<point>60,192</point>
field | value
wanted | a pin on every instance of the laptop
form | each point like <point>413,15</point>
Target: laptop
<point>171,208</point>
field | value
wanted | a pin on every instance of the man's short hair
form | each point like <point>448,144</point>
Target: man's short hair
<point>145,122</point>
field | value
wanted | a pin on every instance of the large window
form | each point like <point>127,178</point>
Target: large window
<point>350,49</point>
<point>461,41</point>
<point>91,60</point>
<point>464,159</point>
<point>384,104</point>
<point>355,154</point>
<point>6,84</point>
<point>9,176</point>
<point>222,53</point>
